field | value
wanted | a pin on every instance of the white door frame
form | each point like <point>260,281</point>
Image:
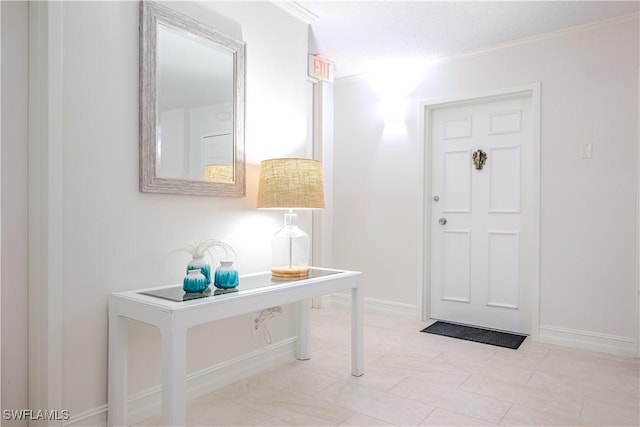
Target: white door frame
<point>532,260</point>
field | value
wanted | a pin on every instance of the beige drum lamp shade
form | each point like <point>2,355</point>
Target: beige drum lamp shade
<point>291,183</point>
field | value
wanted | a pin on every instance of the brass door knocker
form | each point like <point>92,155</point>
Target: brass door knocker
<point>479,159</point>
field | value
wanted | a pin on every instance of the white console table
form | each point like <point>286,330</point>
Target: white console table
<point>256,292</point>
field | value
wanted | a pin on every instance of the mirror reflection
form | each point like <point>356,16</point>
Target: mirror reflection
<point>195,104</point>
<point>192,106</point>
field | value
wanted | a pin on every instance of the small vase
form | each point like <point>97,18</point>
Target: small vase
<point>225,276</point>
<point>199,263</point>
<point>194,281</point>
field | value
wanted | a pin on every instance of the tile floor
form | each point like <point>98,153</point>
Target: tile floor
<point>417,379</point>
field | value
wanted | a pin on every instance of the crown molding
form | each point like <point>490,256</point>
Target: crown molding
<point>565,32</point>
<point>592,26</point>
<point>296,10</point>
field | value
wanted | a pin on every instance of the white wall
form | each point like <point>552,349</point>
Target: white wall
<point>14,206</point>
<point>110,236</point>
<point>588,207</point>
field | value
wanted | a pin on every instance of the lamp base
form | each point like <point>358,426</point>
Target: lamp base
<point>293,272</point>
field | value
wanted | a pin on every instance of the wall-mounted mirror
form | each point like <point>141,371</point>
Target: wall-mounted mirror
<point>192,81</point>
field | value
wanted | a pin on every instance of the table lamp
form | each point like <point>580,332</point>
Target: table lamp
<point>289,184</point>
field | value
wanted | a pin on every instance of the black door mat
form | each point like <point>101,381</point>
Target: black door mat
<point>470,333</point>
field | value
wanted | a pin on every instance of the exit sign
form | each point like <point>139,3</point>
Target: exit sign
<point>320,69</point>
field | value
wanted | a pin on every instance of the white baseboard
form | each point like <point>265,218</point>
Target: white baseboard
<point>146,403</point>
<point>374,305</point>
<point>585,340</point>
<point>588,340</point>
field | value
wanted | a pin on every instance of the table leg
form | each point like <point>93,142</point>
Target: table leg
<point>117,368</point>
<point>302,345</point>
<point>174,371</point>
<point>357,332</point>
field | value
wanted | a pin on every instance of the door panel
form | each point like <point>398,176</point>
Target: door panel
<point>456,185</point>
<point>456,285</point>
<point>476,274</point>
<point>502,122</point>
<point>504,180</point>
<point>504,266</point>
<point>455,128</point>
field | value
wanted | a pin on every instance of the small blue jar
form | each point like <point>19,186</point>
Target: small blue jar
<point>199,263</point>
<point>226,276</point>
<point>194,281</point>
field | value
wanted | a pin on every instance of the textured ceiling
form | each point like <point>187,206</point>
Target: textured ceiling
<point>357,34</point>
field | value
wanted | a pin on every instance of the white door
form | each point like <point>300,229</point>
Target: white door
<point>477,213</point>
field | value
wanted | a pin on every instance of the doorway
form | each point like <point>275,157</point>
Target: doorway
<point>481,211</point>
